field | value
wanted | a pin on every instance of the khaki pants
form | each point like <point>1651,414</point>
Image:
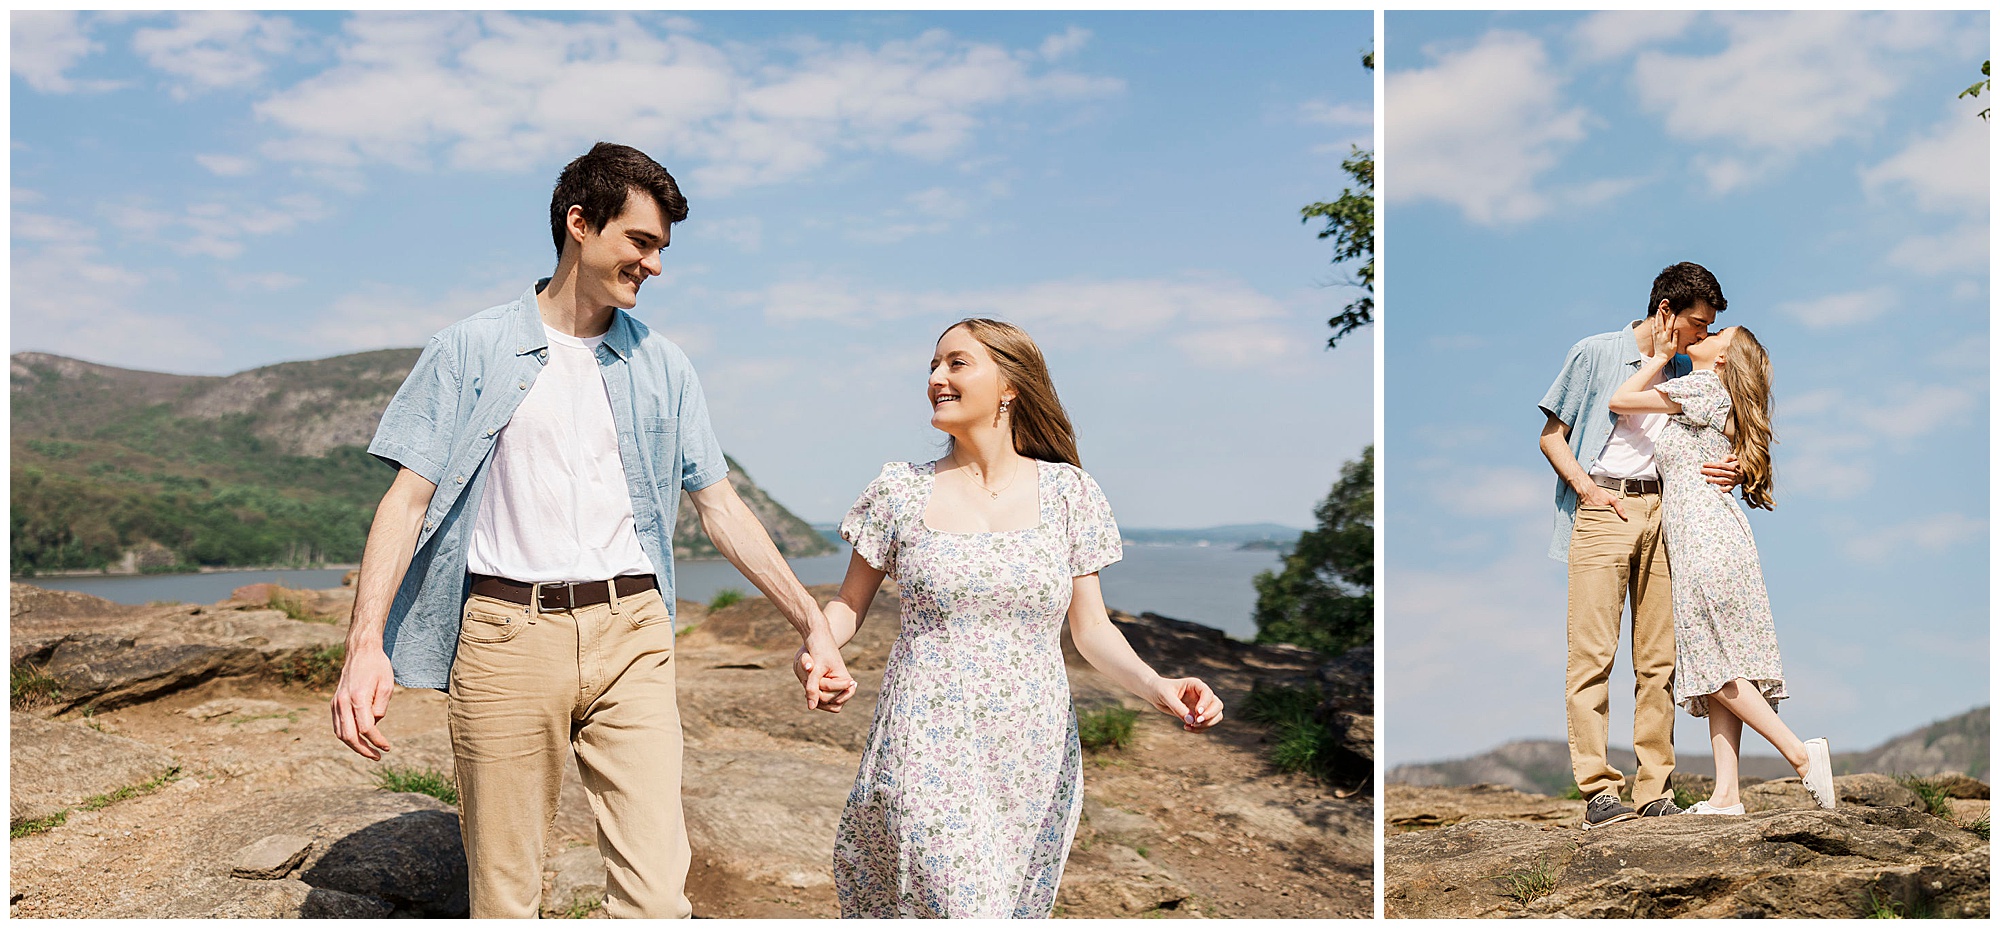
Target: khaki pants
<point>527,687</point>
<point>1611,560</point>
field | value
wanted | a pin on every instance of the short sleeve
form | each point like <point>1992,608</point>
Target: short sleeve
<point>871,524</point>
<point>1702,399</point>
<point>702,461</point>
<point>417,429</point>
<point>1093,534</point>
<point>1570,393</point>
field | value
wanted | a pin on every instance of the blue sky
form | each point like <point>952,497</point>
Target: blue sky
<point>205,193</point>
<point>1539,170</point>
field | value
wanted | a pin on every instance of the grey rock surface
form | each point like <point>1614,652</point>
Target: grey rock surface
<point>56,765</point>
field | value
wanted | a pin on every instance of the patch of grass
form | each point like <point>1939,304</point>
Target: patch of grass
<point>582,908</point>
<point>29,687</point>
<point>1683,797</point>
<point>294,604</point>
<point>1982,828</point>
<point>1280,705</point>
<point>1572,792</point>
<point>725,598</point>
<point>1142,850</point>
<point>427,781</point>
<point>1936,801</point>
<point>1528,883</point>
<point>36,826</point>
<point>1106,727</point>
<point>1893,908</point>
<point>126,793</point>
<point>318,669</point>
<point>1299,743</point>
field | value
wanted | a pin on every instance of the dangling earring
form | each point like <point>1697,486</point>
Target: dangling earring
<point>1003,405</point>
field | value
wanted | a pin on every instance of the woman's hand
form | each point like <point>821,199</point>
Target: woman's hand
<point>1188,700</point>
<point>1665,342</point>
<point>830,697</point>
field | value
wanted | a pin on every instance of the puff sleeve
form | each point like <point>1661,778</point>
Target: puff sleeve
<point>871,524</point>
<point>1093,533</point>
<point>1703,400</point>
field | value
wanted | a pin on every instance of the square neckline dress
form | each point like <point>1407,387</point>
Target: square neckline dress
<point>970,786</point>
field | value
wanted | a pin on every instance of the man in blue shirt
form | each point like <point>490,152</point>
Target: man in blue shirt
<point>522,560</point>
<point>1607,527</point>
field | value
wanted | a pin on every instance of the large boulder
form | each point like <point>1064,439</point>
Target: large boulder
<point>768,817</point>
<point>372,853</point>
<point>1410,807</point>
<point>1783,862</point>
<point>58,765</point>
<point>97,653</point>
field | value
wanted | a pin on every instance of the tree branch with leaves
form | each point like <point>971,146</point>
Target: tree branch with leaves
<point>1350,223</point>
<point>1978,86</point>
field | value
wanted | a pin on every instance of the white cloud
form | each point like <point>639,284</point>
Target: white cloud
<point>1213,321</point>
<point>217,229</point>
<point>215,49</point>
<point>926,212</point>
<point>264,280</point>
<point>507,92</point>
<point>227,165</point>
<point>1602,36</point>
<point>746,233</point>
<point>384,316</point>
<point>1480,128</point>
<point>1845,309</point>
<point>1958,250</point>
<point>46,44</point>
<point>1067,43</point>
<point>71,298</point>
<point>1481,491</point>
<point>1785,83</point>
<point>1934,533</point>
<point>1945,171</point>
<point>1320,112</point>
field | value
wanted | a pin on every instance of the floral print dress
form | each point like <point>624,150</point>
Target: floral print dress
<point>1722,616</point>
<point>971,784</point>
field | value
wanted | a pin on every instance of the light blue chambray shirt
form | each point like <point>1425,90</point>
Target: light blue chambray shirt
<point>442,423</point>
<point>1581,398</point>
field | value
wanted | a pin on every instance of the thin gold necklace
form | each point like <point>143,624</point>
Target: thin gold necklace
<point>990,492</point>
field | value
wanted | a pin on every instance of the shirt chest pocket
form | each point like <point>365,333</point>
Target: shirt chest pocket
<point>659,441</point>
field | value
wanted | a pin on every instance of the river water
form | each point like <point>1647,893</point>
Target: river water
<point>1204,584</point>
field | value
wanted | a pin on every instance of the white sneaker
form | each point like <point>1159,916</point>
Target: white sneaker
<point>1819,773</point>
<point>1704,807</point>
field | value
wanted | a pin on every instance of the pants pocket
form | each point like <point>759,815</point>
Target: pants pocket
<point>488,623</point>
<point>650,610</point>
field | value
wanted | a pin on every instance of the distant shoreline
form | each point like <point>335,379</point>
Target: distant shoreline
<point>104,572</point>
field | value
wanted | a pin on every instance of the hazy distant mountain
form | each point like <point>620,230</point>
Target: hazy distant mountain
<point>1233,535</point>
<point>269,466</point>
<point>1542,765</point>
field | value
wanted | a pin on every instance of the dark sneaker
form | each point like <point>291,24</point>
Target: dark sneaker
<point>1604,809</point>
<point>1661,807</point>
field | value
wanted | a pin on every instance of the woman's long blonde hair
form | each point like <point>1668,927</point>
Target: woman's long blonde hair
<point>1040,424</point>
<point>1746,374</point>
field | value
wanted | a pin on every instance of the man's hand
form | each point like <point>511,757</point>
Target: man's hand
<point>1594,495</point>
<point>361,700</point>
<point>819,667</point>
<point>1725,474</point>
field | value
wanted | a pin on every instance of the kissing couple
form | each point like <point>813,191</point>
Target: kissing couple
<point>1650,428</point>
<point>522,562</point>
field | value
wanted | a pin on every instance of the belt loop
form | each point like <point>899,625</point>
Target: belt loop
<point>612,585</point>
<point>534,601</point>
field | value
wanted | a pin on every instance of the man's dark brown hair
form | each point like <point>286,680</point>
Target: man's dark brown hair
<point>1684,284</point>
<point>601,179</point>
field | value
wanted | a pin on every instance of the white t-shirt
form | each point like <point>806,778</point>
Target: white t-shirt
<point>556,506</point>
<point>1629,452</point>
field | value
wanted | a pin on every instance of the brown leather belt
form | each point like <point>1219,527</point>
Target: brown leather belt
<point>563,596</point>
<point>1624,485</point>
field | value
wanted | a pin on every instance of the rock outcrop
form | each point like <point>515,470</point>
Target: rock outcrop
<point>57,765</point>
<point>1490,851</point>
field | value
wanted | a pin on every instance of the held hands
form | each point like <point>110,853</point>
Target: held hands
<point>825,689</point>
<point>1188,700</point>
<point>361,700</point>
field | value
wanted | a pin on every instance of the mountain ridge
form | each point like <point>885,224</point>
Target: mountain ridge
<point>146,471</point>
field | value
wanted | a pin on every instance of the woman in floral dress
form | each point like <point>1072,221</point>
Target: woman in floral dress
<point>971,783</point>
<point>1726,664</point>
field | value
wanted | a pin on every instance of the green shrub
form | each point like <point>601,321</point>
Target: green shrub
<point>1527,883</point>
<point>427,781</point>
<point>293,603</point>
<point>1106,727</point>
<point>1936,801</point>
<point>725,598</point>
<point>1982,827</point>
<point>1300,744</point>
<point>28,687</point>
<point>318,669</point>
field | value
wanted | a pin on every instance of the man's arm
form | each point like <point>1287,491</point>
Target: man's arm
<point>366,679</point>
<point>741,539</point>
<point>1555,447</point>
